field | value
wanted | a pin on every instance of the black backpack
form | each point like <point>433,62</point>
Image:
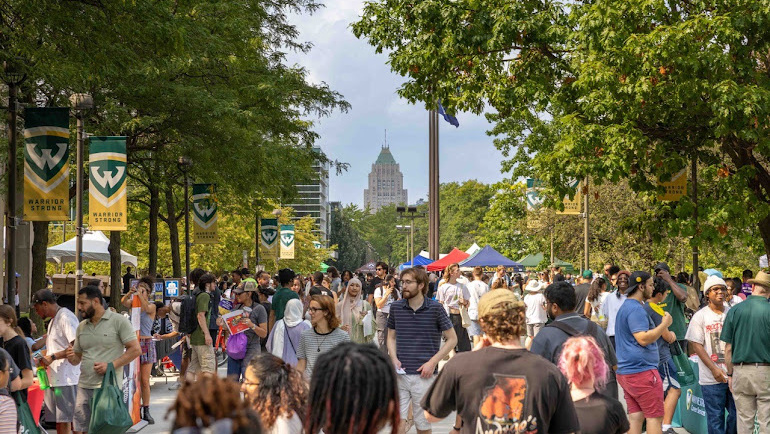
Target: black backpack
<point>188,318</point>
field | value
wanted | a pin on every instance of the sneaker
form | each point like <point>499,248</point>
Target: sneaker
<point>669,431</point>
<point>175,386</point>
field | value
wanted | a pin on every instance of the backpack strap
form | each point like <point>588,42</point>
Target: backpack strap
<point>569,330</point>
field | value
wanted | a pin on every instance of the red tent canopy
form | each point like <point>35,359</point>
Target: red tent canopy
<point>455,255</point>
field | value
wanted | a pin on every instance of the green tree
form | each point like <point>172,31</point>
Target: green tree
<point>462,208</point>
<point>345,234</point>
<point>613,90</point>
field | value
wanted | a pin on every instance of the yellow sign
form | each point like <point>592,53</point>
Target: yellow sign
<point>676,188</point>
<point>46,164</point>
<point>573,206</point>
<point>107,171</point>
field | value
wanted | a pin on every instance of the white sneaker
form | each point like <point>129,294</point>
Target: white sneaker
<point>175,386</point>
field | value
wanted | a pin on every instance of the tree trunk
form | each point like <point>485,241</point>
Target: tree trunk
<point>116,280</point>
<point>152,254</point>
<point>173,231</point>
<point>764,231</point>
<point>39,247</point>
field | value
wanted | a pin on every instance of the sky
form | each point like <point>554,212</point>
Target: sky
<point>351,66</point>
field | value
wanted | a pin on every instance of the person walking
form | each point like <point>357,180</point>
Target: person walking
<point>255,319</point>
<point>613,302</point>
<point>746,331</point>
<point>102,337</point>
<point>203,360</point>
<point>582,289</point>
<point>454,295</point>
<point>477,288</point>
<point>501,387</point>
<point>583,363</point>
<point>282,295</point>
<point>384,296</point>
<point>637,351</point>
<point>592,308</point>
<point>149,357</point>
<point>703,334</point>
<point>352,311</point>
<point>536,316</point>
<point>416,325</point>
<point>62,375</point>
<point>277,392</point>
<point>322,337</point>
<point>285,337</point>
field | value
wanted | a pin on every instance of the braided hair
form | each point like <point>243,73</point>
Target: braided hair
<point>354,390</point>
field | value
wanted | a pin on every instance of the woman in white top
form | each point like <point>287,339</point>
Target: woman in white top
<point>384,296</point>
<point>535,314</point>
<point>277,392</point>
<point>477,288</point>
<point>452,295</point>
<point>596,296</point>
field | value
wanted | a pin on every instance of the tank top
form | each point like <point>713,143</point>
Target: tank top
<point>145,324</point>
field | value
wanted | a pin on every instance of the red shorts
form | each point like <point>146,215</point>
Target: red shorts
<point>643,392</point>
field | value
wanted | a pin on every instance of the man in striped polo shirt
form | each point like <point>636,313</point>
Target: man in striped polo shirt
<point>416,326</point>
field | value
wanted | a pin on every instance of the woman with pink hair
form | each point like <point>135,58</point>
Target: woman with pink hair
<point>582,362</point>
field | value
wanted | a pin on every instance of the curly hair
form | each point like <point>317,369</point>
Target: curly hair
<point>504,324</point>
<point>281,391</point>
<point>208,399</point>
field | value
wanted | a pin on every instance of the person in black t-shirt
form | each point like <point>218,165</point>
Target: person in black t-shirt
<point>501,387</point>
<point>127,280</point>
<point>582,362</point>
<point>319,289</point>
<point>12,341</point>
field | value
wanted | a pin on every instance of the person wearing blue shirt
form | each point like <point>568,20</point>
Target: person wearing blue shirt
<point>637,353</point>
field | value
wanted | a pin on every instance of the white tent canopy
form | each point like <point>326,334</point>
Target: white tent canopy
<point>95,248</point>
<point>473,249</point>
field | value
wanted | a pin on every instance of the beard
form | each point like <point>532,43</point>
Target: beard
<point>89,313</point>
<point>409,294</point>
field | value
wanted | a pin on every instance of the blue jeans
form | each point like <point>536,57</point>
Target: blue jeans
<point>236,368</point>
<point>718,398</point>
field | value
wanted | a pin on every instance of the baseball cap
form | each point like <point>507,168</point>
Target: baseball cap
<point>588,274</point>
<point>497,301</point>
<point>43,295</point>
<point>662,266</point>
<point>637,278</point>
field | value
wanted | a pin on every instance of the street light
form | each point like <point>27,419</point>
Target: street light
<point>81,102</point>
<point>13,76</point>
<point>185,164</point>
<point>406,228</point>
<point>410,212</point>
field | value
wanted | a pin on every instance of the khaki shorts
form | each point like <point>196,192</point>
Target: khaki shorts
<point>202,360</point>
<point>411,389</point>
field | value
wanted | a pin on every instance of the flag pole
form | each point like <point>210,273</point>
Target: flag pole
<point>433,186</point>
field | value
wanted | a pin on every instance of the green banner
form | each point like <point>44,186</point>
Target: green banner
<point>268,233</point>
<point>204,214</point>
<point>287,241</point>
<point>46,164</point>
<point>108,176</point>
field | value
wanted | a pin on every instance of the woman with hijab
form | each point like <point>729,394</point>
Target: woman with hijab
<point>285,336</point>
<point>352,310</point>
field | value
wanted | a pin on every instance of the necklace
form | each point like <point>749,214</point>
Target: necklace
<point>322,341</point>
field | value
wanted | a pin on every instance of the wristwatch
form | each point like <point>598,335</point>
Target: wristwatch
<point>53,356</point>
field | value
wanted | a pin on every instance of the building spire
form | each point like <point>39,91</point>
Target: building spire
<point>385,146</point>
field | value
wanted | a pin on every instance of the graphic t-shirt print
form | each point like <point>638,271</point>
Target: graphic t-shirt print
<point>502,408</point>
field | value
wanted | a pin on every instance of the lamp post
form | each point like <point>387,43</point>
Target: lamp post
<point>411,213</point>
<point>185,164</point>
<point>406,228</point>
<point>13,77</point>
<point>81,102</point>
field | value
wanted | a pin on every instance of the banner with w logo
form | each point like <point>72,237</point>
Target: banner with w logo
<point>107,178</point>
<point>46,164</point>
<point>287,241</point>
<point>269,233</point>
<point>204,214</point>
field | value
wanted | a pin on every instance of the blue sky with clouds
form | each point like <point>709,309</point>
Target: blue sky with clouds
<point>351,67</point>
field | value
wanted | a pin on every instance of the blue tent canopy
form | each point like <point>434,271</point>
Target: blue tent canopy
<point>489,257</point>
<point>417,260</point>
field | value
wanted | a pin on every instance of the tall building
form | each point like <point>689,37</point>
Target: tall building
<point>386,183</point>
<point>313,200</point>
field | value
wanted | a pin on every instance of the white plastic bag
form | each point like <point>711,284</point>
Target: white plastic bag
<point>368,324</point>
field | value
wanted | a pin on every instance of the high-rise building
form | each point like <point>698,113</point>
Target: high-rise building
<point>386,183</point>
<point>313,200</point>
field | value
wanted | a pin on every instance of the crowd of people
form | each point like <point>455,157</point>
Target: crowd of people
<point>345,353</point>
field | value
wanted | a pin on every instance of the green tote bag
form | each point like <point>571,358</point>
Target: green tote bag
<point>27,423</point>
<point>109,414</point>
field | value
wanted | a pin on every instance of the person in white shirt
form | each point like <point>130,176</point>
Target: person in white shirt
<point>453,295</point>
<point>536,315</point>
<point>704,334</point>
<point>384,295</point>
<point>62,375</point>
<point>476,288</point>
<point>612,303</point>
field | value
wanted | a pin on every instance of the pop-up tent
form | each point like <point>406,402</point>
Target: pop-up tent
<point>532,261</point>
<point>456,255</point>
<point>417,260</point>
<point>95,248</point>
<point>369,267</point>
<point>490,258</point>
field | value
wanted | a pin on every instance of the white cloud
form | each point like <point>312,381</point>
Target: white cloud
<point>351,67</point>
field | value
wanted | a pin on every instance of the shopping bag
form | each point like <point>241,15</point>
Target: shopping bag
<point>464,315</point>
<point>27,423</point>
<point>237,345</point>
<point>683,367</point>
<point>368,324</point>
<point>109,414</point>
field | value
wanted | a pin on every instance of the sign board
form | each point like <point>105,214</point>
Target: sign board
<point>573,206</point>
<point>172,288</point>
<point>676,188</point>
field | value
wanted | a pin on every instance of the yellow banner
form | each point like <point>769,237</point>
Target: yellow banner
<point>107,172</point>
<point>676,188</point>
<point>573,206</point>
<point>204,214</point>
<point>46,164</point>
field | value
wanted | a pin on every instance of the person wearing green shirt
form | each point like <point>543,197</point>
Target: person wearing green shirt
<point>282,295</point>
<point>746,332</point>
<point>203,359</point>
<point>674,303</point>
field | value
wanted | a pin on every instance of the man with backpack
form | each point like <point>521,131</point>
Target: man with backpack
<point>560,300</point>
<point>194,321</point>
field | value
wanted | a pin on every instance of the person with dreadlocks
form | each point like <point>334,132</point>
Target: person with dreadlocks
<point>277,392</point>
<point>215,404</point>
<point>354,390</point>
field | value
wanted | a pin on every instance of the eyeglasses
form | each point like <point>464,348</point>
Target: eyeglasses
<point>408,282</point>
<point>719,289</point>
<point>315,309</point>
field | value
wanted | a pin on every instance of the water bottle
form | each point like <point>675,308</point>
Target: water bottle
<point>42,378</point>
